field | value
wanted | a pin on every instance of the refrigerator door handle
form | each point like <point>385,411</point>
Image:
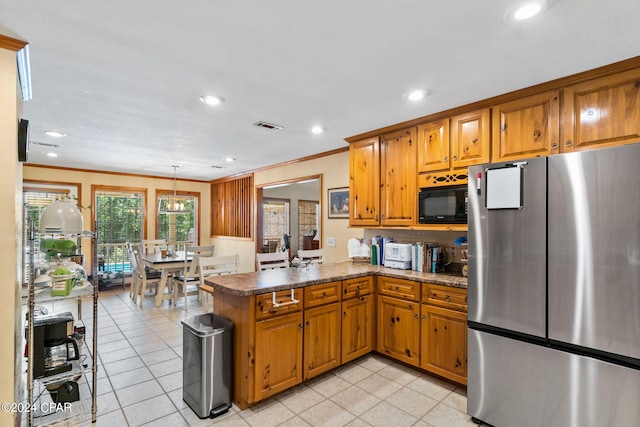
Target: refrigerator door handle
<point>516,165</point>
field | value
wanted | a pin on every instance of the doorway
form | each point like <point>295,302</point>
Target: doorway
<point>288,214</point>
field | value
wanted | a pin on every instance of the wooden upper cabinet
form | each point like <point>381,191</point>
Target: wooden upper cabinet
<point>397,178</point>
<point>526,127</point>
<point>602,112</point>
<point>433,146</point>
<point>364,182</point>
<point>470,143</point>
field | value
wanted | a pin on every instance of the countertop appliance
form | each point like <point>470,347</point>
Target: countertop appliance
<point>554,290</point>
<point>53,345</point>
<point>397,255</point>
<point>443,205</point>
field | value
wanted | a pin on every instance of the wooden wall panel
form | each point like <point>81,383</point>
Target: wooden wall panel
<point>231,202</point>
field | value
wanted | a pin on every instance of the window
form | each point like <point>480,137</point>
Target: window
<point>119,216</point>
<point>178,228</point>
<point>275,223</point>
<point>36,196</point>
<point>307,219</point>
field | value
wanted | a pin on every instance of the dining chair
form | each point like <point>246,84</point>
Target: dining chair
<point>153,246</point>
<point>142,279</point>
<point>189,275</point>
<point>134,270</point>
<point>215,266</point>
<point>150,246</point>
<point>315,255</point>
<point>272,260</point>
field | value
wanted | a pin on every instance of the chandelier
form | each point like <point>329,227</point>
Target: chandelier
<point>173,204</point>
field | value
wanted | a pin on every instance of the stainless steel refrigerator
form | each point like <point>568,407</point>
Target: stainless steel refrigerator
<point>554,290</point>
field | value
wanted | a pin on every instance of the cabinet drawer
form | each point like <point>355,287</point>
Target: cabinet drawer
<point>399,288</point>
<point>353,288</point>
<point>321,294</point>
<point>265,308</point>
<point>445,296</point>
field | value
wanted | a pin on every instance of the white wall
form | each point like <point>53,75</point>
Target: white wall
<point>11,243</point>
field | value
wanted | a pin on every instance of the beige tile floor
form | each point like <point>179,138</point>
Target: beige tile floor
<point>140,381</point>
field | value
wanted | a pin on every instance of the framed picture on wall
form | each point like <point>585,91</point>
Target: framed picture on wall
<point>338,202</point>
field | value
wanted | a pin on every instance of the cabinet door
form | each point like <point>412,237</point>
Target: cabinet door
<point>321,339</point>
<point>433,146</point>
<point>278,354</point>
<point>444,343</point>
<point>399,329</point>
<point>602,112</point>
<point>398,179</point>
<point>527,127</point>
<point>357,327</point>
<point>470,141</point>
<point>364,182</point>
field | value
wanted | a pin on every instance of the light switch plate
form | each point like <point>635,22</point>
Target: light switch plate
<point>331,241</point>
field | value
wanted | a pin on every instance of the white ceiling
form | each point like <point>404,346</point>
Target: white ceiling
<point>123,78</point>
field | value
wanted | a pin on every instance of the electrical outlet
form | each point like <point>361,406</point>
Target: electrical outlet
<point>331,241</point>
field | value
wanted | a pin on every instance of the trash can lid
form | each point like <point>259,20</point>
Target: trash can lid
<point>207,324</point>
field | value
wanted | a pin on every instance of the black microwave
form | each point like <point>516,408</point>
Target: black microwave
<point>443,205</point>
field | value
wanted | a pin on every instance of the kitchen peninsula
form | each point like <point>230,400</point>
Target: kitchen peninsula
<point>292,325</point>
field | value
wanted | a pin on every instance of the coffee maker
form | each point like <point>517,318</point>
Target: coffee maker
<point>53,344</point>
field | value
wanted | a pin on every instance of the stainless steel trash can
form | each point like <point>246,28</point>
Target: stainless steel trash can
<point>207,341</point>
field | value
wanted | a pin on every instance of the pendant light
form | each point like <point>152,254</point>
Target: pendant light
<point>173,205</point>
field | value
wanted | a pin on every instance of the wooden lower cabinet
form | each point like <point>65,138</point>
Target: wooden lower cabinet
<point>321,339</point>
<point>278,354</point>
<point>357,327</point>
<point>444,343</point>
<point>399,329</point>
<point>324,326</point>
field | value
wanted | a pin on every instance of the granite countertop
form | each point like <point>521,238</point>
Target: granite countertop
<point>260,282</point>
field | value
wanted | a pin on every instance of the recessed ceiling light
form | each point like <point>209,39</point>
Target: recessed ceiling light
<point>526,10</point>
<point>229,159</point>
<point>416,95</point>
<point>52,154</point>
<point>54,133</point>
<point>211,99</point>
<point>316,129</point>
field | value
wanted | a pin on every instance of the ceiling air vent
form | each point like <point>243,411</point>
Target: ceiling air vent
<point>44,144</point>
<point>268,126</point>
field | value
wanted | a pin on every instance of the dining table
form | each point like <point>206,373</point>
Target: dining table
<point>166,264</point>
